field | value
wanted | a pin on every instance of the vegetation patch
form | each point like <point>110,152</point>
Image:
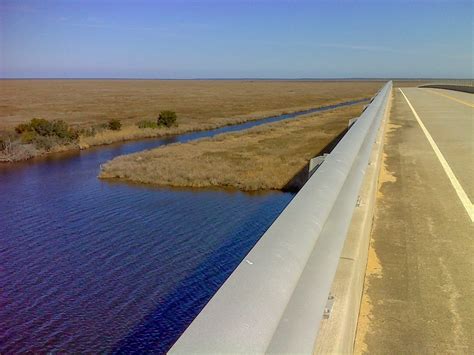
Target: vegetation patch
<point>40,136</point>
<point>46,134</point>
<point>273,156</point>
<point>114,125</point>
<point>199,105</point>
<point>166,118</point>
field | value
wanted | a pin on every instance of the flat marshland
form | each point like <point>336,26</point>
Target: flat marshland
<point>272,156</point>
<point>87,105</point>
<point>197,102</point>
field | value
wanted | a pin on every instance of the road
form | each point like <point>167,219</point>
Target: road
<point>419,288</point>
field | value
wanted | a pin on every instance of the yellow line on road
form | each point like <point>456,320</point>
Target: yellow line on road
<point>447,169</point>
<point>453,98</point>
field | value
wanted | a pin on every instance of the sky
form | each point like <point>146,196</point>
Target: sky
<point>236,39</point>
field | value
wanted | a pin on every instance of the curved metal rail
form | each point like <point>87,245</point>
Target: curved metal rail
<point>275,299</point>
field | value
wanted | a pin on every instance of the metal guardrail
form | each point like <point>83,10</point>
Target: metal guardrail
<point>275,299</point>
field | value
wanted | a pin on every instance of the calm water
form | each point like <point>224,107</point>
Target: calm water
<point>92,266</point>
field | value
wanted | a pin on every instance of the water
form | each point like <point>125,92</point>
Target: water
<point>92,266</point>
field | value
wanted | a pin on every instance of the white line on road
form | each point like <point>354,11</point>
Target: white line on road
<point>447,169</point>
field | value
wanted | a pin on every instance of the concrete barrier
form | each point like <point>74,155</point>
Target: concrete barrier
<point>337,330</point>
<point>275,299</point>
<point>455,87</point>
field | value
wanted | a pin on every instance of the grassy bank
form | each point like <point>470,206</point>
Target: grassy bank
<point>272,156</point>
<point>87,105</point>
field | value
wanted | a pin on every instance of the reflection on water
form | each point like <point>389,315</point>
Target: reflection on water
<point>87,265</point>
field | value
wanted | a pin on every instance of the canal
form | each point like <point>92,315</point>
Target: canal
<point>94,266</point>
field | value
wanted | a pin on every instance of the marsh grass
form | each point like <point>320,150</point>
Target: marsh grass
<point>264,157</point>
<point>86,103</point>
<point>90,105</point>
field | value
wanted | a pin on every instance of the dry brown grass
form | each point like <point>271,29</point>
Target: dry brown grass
<point>200,105</point>
<point>265,157</point>
<point>88,102</point>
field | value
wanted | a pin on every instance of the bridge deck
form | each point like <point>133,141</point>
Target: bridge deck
<point>419,288</point>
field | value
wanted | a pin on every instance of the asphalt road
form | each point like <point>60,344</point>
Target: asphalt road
<point>419,289</point>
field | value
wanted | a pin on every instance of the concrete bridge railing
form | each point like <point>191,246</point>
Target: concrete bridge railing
<point>463,86</point>
<point>275,299</point>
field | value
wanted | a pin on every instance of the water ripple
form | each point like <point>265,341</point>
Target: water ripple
<point>88,266</point>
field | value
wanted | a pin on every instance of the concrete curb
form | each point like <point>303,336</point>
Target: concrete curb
<point>337,332</point>
<point>462,88</point>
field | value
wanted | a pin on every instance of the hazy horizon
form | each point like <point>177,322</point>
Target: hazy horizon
<point>237,79</point>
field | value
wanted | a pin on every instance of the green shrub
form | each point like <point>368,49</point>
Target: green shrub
<point>42,127</point>
<point>147,124</point>
<point>28,137</point>
<point>22,127</point>
<point>46,142</point>
<point>61,130</point>
<point>45,134</point>
<point>115,125</point>
<point>45,128</point>
<point>41,142</point>
<point>166,118</point>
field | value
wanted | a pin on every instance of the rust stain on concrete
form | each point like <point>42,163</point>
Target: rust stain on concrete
<point>374,267</point>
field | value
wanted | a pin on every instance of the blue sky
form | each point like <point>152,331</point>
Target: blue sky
<point>236,38</point>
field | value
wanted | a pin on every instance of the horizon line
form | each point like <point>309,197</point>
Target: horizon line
<point>238,78</point>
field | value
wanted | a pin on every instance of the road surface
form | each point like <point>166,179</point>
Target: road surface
<point>419,288</point>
